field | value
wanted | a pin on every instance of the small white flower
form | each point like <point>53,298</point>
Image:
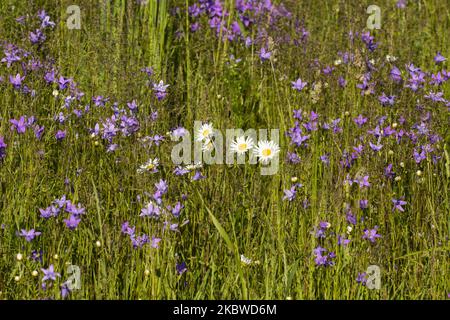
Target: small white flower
<point>208,145</point>
<point>241,145</point>
<point>98,244</point>
<point>194,166</point>
<point>55,93</point>
<point>19,257</point>
<point>266,150</point>
<point>16,278</point>
<point>390,58</point>
<point>349,229</point>
<point>204,132</point>
<point>34,273</point>
<point>150,165</point>
<point>246,260</point>
<point>337,62</point>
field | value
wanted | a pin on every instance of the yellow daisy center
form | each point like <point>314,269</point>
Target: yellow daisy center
<point>266,152</point>
<point>242,147</point>
<point>205,132</point>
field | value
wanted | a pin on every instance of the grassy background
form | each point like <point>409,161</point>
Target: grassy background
<point>117,39</point>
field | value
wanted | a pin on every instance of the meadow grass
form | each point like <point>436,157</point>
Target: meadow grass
<point>235,210</point>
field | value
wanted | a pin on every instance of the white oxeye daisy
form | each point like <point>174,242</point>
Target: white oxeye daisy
<point>266,150</point>
<point>241,145</point>
<point>208,145</point>
<point>150,165</point>
<point>204,132</point>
